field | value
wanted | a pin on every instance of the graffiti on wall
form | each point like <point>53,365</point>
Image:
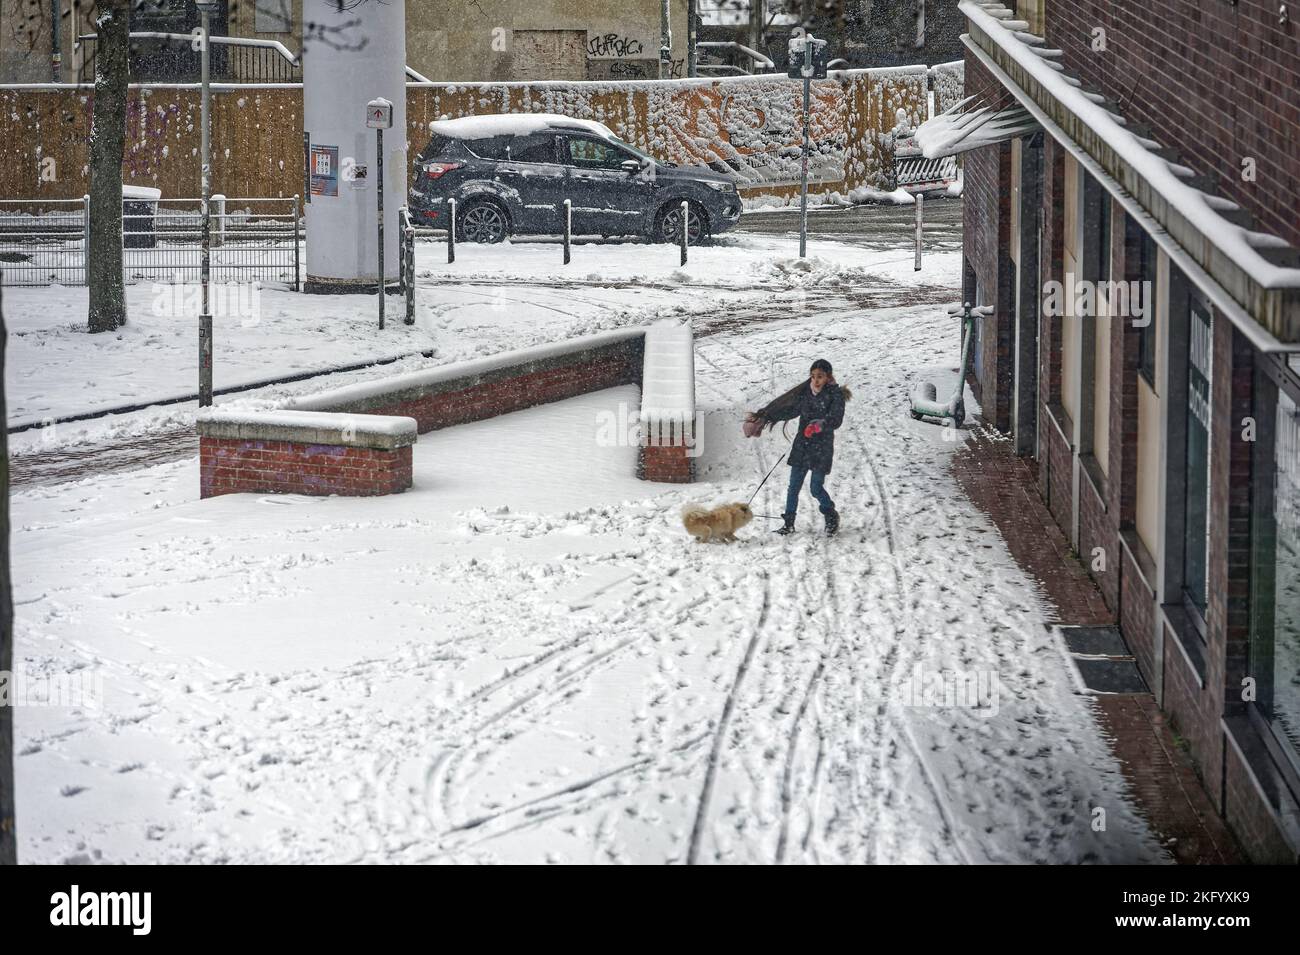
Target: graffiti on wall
<point>613,46</point>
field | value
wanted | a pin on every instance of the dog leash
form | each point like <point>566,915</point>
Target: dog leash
<point>779,459</point>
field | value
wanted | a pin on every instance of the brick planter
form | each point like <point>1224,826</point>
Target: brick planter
<point>487,387</point>
<point>304,453</point>
<point>357,440</point>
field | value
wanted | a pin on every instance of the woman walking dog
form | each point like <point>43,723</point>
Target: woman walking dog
<point>818,403</point>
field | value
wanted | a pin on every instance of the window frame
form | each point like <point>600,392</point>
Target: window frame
<point>1274,377</point>
<point>1195,612</point>
<point>1149,256</point>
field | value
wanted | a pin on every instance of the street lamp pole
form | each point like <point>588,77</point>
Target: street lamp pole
<point>206,9</point>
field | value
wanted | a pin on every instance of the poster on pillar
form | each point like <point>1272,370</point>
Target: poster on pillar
<point>324,170</point>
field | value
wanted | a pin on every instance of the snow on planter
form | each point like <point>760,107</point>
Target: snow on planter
<point>668,427</point>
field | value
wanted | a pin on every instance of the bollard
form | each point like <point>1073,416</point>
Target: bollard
<point>920,217</point>
<point>451,231</point>
<point>409,258</point>
<point>568,228</point>
<point>685,228</point>
<point>217,210</point>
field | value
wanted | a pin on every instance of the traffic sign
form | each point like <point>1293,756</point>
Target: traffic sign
<point>379,114</point>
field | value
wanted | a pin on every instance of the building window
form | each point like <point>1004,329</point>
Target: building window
<point>1197,463</point>
<point>1147,333</point>
<point>1275,630</point>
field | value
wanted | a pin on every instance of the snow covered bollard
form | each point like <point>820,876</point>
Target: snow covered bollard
<point>568,229</point>
<point>684,233</point>
<point>451,231</point>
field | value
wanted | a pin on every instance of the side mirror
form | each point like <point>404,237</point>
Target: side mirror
<point>630,166</point>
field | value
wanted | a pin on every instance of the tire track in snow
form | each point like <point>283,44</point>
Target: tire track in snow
<point>706,792</point>
<point>905,627</point>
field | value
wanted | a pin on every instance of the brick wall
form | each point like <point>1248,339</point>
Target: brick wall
<point>237,466</point>
<point>1137,607</point>
<point>1051,253</point>
<point>666,463</point>
<point>986,237</point>
<point>1194,716</point>
<point>1230,69</point>
<point>1248,815</point>
<point>488,396</point>
<point>1096,530</point>
<point>1126,265</point>
<point>1228,613</point>
<point>1060,476</point>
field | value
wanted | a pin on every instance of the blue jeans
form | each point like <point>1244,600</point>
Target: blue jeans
<point>817,487</point>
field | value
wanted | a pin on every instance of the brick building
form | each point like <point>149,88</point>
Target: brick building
<point>1133,214</point>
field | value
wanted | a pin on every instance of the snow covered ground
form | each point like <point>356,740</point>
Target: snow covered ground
<point>525,658</point>
<point>492,298</point>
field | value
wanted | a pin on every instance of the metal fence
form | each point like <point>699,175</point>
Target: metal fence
<point>173,58</point>
<point>44,242</point>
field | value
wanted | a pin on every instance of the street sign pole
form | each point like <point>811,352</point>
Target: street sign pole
<point>379,116</point>
<point>807,60</point>
<point>803,174</point>
<point>379,194</point>
<point>206,9</point>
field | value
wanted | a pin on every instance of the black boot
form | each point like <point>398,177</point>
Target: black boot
<point>832,522</point>
<point>788,526</point>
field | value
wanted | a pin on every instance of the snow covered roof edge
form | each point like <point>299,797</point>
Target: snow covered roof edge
<point>1227,237</point>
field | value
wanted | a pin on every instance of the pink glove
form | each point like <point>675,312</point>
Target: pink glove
<point>814,427</point>
<point>753,426</point>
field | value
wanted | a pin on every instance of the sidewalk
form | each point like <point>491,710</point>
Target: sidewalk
<point>1163,782</point>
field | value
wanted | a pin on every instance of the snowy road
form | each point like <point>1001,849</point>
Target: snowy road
<point>531,661</point>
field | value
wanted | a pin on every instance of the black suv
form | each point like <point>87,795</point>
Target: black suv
<point>510,175</point>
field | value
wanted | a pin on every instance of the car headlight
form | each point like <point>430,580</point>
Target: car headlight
<point>721,186</point>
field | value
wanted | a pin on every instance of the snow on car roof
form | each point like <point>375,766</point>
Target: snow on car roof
<point>514,124</point>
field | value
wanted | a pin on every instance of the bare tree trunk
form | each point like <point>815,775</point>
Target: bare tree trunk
<point>8,835</point>
<point>107,136</point>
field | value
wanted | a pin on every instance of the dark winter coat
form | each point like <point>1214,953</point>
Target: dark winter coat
<point>817,452</point>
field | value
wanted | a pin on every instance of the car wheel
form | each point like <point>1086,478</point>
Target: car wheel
<point>483,220</point>
<point>669,223</point>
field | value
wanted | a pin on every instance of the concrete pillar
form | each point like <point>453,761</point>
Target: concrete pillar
<point>350,58</point>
